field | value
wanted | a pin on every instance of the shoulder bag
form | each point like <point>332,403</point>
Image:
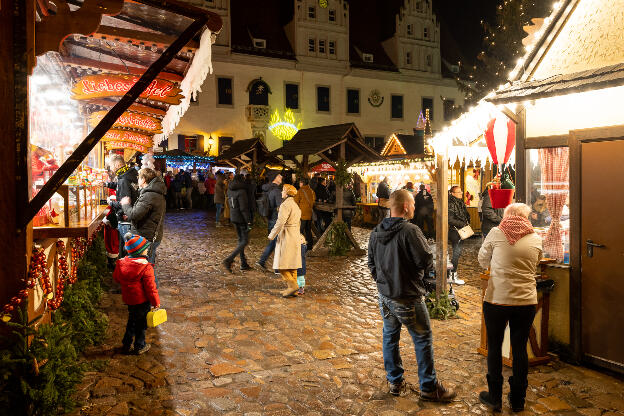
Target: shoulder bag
<point>465,232</point>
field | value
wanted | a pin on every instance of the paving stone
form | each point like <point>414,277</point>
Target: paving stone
<point>233,346</point>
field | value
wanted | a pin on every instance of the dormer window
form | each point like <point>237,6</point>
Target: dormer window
<point>332,47</point>
<point>426,33</point>
<point>311,45</point>
<point>332,15</point>
<point>321,46</point>
<point>312,12</point>
<point>259,43</point>
<point>410,30</point>
<point>367,57</point>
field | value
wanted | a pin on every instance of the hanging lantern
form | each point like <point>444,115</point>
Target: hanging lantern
<point>500,137</point>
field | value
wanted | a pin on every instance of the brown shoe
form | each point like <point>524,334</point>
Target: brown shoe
<point>440,394</point>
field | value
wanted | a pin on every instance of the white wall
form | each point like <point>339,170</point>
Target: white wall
<point>207,118</point>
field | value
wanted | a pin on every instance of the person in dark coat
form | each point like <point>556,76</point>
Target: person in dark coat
<point>458,218</point>
<point>383,195</point>
<point>424,211</point>
<point>251,195</point>
<point>490,217</point>
<point>127,186</point>
<point>348,200</point>
<point>146,216</point>
<point>274,194</point>
<point>241,218</point>
<point>398,258</point>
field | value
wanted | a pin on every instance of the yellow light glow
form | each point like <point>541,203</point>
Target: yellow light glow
<point>284,128</point>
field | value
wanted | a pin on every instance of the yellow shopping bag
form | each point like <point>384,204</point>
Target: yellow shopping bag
<point>156,317</point>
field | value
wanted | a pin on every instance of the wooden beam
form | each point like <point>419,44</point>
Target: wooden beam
<point>512,116</point>
<point>559,140</point>
<point>521,175</point>
<point>326,159</point>
<point>340,188</point>
<point>109,67</point>
<point>107,122</point>
<point>441,224</point>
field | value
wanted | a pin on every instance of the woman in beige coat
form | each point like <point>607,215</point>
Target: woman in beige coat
<point>287,257</point>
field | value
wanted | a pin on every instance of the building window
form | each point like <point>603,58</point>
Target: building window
<point>427,104</point>
<point>259,43</point>
<point>224,91</point>
<point>449,110</point>
<point>353,101</point>
<point>312,12</point>
<point>408,58</point>
<point>548,194</point>
<point>428,60</point>
<point>397,107</point>
<point>321,46</point>
<point>426,33</point>
<point>311,45</point>
<point>368,57</point>
<point>410,30</point>
<point>332,47</point>
<point>292,96</point>
<point>322,99</point>
<point>332,15</point>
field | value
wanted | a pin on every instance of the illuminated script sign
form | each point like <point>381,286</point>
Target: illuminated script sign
<point>128,136</point>
<point>126,145</point>
<point>114,85</point>
<point>130,120</point>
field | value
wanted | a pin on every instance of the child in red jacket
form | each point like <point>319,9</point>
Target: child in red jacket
<point>138,290</point>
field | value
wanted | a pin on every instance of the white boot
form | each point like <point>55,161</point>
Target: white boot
<point>456,280</point>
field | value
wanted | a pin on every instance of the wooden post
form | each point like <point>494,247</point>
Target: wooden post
<point>305,163</point>
<point>339,188</point>
<point>521,174</point>
<point>441,224</point>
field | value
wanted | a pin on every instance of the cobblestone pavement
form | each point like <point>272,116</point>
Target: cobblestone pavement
<point>232,346</point>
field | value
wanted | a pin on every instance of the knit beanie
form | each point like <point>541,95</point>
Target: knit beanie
<point>135,245</point>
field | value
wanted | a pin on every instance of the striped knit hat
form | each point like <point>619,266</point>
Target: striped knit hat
<point>135,245</point>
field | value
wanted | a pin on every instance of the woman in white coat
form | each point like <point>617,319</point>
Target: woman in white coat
<point>287,257</point>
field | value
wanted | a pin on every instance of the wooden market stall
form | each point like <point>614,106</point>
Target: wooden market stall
<point>340,146</point>
<point>563,97</point>
<point>249,154</point>
<point>99,75</point>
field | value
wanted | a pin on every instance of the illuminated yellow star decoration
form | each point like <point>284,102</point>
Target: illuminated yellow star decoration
<point>284,129</point>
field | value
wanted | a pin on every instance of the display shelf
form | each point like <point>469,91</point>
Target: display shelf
<point>83,227</point>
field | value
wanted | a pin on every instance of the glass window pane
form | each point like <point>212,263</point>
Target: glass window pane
<point>353,101</point>
<point>322,98</point>
<point>224,86</point>
<point>292,96</point>
<point>397,106</point>
<point>427,103</point>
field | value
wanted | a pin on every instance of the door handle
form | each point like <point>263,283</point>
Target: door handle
<point>590,247</point>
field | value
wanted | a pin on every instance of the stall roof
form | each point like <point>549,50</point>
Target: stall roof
<point>593,79</point>
<point>241,148</point>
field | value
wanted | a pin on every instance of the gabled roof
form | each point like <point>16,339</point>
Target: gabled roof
<point>242,147</point>
<point>403,145</point>
<point>593,79</point>
<point>317,140</point>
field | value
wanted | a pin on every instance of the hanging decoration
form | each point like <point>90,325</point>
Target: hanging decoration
<point>284,128</point>
<point>130,120</point>
<point>500,137</point>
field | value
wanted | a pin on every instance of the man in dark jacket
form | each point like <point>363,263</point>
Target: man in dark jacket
<point>490,217</point>
<point>147,214</point>
<point>127,186</point>
<point>274,194</point>
<point>239,216</point>
<point>458,218</point>
<point>251,195</point>
<point>383,194</point>
<point>424,211</point>
<point>398,257</point>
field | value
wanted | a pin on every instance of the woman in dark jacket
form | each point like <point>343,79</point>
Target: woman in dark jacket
<point>458,218</point>
<point>239,216</point>
<point>147,214</point>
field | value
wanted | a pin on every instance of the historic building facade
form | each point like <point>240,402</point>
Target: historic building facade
<point>328,61</point>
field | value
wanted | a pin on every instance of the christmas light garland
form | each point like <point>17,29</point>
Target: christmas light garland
<point>39,273</point>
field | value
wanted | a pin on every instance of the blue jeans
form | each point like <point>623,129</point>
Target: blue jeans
<point>136,326</point>
<point>413,314</point>
<point>123,229</point>
<point>219,209</point>
<point>152,257</point>
<point>270,248</point>
<point>457,250</point>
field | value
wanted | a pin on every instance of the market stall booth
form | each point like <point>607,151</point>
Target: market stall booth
<point>564,97</point>
<point>251,154</point>
<point>103,76</point>
<point>177,159</point>
<point>340,146</point>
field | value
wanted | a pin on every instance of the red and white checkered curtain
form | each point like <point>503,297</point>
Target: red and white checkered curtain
<point>555,164</point>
